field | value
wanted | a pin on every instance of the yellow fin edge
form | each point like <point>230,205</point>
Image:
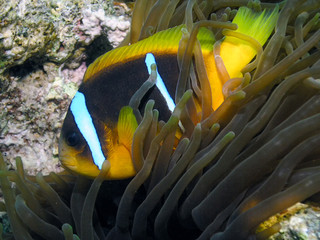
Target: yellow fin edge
<point>164,42</point>
<point>258,25</point>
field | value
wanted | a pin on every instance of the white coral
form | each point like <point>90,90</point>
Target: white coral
<point>94,22</point>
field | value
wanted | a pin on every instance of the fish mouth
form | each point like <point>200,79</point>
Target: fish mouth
<point>67,157</point>
<point>79,165</point>
<point>74,160</point>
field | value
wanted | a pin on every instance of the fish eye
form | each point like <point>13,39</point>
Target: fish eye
<point>73,139</point>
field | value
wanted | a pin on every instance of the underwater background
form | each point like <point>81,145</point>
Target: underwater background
<point>45,48</point>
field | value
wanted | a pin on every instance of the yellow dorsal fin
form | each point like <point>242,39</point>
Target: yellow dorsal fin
<point>164,42</point>
<point>237,53</point>
<point>258,25</point>
<point>127,125</point>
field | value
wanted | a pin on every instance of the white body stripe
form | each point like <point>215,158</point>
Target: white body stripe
<point>85,124</point>
<point>150,59</point>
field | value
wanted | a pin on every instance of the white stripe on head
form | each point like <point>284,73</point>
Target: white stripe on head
<point>150,59</point>
<point>85,124</point>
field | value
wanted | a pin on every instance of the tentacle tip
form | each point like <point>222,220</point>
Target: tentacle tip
<point>67,229</point>
<point>230,135</point>
<point>150,104</point>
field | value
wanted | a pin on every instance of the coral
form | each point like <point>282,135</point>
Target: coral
<point>52,30</point>
<point>43,56</point>
<point>30,117</point>
<point>299,221</point>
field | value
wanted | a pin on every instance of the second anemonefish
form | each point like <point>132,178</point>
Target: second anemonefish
<point>100,126</point>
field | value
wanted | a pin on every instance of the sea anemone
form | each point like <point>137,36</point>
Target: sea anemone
<point>231,169</point>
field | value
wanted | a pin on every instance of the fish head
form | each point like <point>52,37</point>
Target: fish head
<point>86,141</point>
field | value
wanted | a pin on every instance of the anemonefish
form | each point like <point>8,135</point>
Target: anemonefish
<point>100,126</point>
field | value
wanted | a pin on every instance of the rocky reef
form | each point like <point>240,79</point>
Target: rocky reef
<point>45,47</point>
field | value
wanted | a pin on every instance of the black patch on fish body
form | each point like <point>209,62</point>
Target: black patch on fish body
<point>111,89</point>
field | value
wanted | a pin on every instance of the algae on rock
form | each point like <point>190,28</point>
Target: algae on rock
<point>45,47</point>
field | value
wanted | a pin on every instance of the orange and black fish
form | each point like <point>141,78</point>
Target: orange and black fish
<point>99,125</point>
